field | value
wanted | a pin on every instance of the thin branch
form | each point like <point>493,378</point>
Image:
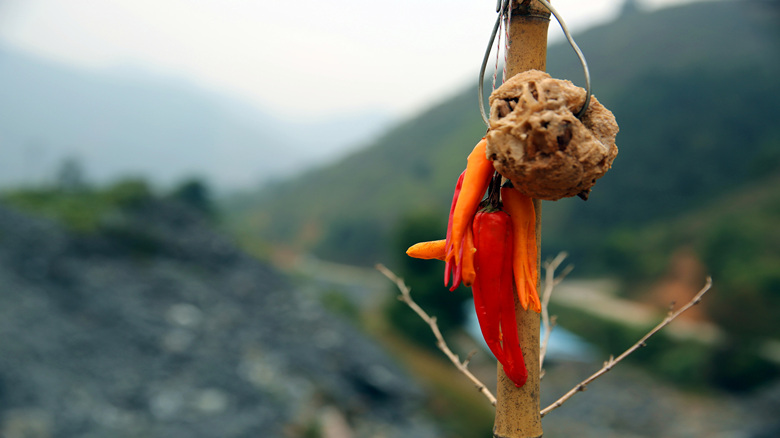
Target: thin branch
<point>550,281</point>
<point>431,321</point>
<point>641,343</point>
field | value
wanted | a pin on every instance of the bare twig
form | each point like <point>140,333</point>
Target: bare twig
<point>614,361</point>
<point>431,321</point>
<point>550,281</point>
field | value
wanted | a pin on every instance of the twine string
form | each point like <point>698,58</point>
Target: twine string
<point>498,47</point>
<point>508,18</point>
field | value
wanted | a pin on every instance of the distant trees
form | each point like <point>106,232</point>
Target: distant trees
<point>85,207</point>
<point>630,7</point>
<point>71,176</point>
<point>195,193</point>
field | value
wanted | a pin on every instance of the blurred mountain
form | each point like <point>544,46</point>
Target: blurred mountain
<point>124,122</point>
<point>694,89</point>
<point>154,325</point>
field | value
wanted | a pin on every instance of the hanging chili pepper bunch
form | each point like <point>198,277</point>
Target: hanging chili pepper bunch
<point>491,247</point>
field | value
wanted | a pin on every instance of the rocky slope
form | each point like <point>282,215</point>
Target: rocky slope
<point>156,326</point>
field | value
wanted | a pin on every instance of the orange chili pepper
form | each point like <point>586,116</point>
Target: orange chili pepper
<point>479,171</point>
<point>524,258</point>
<point>448,263</point>
<point>434,249</point>
<point>465,272</point>
<point>532,271</point>
<point>427,250</point>
<point>514,362</point>
<point>469,252</point>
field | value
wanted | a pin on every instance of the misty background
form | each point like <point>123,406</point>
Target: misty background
<point>236,93</point>
<point>193,196</point>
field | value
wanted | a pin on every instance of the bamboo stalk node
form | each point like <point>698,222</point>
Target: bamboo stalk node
<point>530,9</point>
<point>536,140</point>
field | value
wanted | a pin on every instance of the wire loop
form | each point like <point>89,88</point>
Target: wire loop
<point>503,7</point>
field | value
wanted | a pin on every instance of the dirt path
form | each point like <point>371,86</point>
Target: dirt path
<point>597,297</point>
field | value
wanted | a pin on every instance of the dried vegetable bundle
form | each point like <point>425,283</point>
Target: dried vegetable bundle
<point>491,247</point>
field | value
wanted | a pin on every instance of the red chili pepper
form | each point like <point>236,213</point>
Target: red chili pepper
<point>493,294</point>
<point>490,236</point>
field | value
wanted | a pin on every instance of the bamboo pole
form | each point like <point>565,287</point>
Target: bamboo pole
<point>517,409</point>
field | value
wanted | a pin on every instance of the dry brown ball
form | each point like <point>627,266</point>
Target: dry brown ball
<point>536,141</point>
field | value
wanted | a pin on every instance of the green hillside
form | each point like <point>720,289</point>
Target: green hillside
<point>694,89</point>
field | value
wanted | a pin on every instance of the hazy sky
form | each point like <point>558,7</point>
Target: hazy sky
<point>312,57</point>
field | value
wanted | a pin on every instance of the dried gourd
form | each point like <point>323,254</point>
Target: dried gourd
<point>536,140</point>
